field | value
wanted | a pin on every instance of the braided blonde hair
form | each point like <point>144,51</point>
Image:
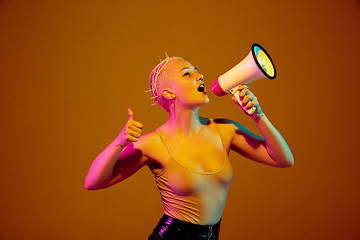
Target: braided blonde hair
<point>158,80</point>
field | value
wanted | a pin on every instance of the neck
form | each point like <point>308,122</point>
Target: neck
<point>184,121</point>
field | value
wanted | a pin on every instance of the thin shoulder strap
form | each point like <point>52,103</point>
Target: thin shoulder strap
<point>164,142</point>
<point>218,131</point>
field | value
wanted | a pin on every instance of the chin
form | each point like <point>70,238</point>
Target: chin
<point>206,102</point>
<point>199,103</point>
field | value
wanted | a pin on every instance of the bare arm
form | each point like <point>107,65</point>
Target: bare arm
<point>275,144</point>
<point>106,165</point>
<point>272,149</point>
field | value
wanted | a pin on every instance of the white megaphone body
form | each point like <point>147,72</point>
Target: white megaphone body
<point>257,64</point>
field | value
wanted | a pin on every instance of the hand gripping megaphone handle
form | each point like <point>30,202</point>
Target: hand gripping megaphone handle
<point>234,91</point>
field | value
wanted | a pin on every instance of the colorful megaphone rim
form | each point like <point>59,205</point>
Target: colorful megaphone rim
<point>257,62</point>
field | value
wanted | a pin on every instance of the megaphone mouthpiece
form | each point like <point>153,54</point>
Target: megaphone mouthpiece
<point>217,89</point>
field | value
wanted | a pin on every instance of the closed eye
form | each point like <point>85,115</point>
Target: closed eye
<point>188,71</point>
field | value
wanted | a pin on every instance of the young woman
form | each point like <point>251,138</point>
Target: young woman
<point>188,155</point>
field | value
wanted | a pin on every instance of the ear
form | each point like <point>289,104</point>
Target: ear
<point>168,93</point>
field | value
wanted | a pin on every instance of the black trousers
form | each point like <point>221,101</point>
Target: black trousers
<point>169,228</point>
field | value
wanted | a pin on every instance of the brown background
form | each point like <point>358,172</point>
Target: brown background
<point>69,70</point>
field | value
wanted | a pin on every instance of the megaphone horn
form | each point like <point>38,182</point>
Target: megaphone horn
<point>256,65</point>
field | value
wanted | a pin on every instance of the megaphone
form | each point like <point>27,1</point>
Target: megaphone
<point>256,65</point>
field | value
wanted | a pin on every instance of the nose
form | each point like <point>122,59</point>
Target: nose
<point>200,78</point>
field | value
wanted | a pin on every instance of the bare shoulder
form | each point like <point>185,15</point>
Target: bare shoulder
<point>231,130</point>
<point>235,130</point>
<point>229,126</point>
<point>226,125</point>
<point>152,145</point>
<point>153,148</point>
<point>148,141</point>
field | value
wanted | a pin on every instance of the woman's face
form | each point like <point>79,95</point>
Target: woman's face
<point>186,84</point>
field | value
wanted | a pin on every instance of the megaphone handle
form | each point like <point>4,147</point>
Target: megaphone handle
<point>237,96</point>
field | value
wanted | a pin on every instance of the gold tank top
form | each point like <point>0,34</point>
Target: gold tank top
<point>194,196</point>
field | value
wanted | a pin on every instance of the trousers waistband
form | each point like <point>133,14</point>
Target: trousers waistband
<point>195,229</point>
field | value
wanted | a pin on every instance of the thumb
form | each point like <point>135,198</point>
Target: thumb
<point>130,114</point>
<point>235,100</point>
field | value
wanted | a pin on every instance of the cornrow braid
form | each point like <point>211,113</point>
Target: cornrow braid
<point>154,76</point>
<point>158,79</point>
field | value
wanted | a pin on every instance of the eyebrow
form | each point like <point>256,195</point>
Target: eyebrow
<point>189,68</point>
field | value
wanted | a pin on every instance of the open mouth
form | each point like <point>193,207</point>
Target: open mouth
<point>201,87</point>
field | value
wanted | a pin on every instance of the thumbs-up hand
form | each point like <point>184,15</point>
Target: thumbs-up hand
<point>131,131</point>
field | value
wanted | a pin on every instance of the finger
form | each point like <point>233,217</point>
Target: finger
<point>246,99</point>
<point>251,110</point>
<point>130,114</point>
<point>243,91</point>
<point>133,133</point>
<point>138,124</point>
<point>131,138</point>
<point>135,124</point>
<point>242,86</point>
<point>249,105</point>
<point>235,100</point>
<point>133,127</point>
